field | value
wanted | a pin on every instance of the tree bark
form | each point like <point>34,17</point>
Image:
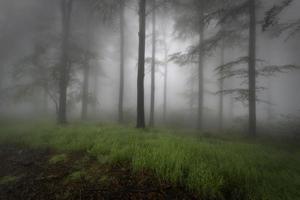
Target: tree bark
<point>152,106</point>
<point>141,66</point>
<point>270,107</point>
<point>200,76</point>
<point>221,88</point>
<point>66,6</point>
<point>95,89</point>
<point>165,79</point>
<point>122,58</point>
<point>85,92</point>
<point>231,108</point>
<point>86,73</point>
<point>252,67</point>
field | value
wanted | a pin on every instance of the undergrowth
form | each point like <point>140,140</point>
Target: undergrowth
<point>214,168</point>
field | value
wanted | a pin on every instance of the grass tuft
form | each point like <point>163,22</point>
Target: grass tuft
<point>58,159</point>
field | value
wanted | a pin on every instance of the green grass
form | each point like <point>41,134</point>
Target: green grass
<point>214,168</point>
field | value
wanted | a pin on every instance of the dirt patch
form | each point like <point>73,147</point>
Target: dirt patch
<point>46,175</point>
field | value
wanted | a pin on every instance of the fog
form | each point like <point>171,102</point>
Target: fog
<point>30,27</point>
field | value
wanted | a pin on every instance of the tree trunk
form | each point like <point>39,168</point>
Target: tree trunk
<point>141,66</point>
<point>252,69</point>
<point>122,57</point>
<point>270,107</point>
<point>86,73</point>
<point>221,102</point>
<point>85,92</point>
<point>200,76</point>
<point>165,79</point>
<point>66,6</point>
<point>95,90</point>
<point>231,108</point>
<point>152,107</point>
<point>45,102</point>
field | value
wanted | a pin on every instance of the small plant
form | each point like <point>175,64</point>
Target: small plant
<point>58,159</point>
<point>79,175</point>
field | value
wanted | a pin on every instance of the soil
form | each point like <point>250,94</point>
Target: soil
<point>43,174</point>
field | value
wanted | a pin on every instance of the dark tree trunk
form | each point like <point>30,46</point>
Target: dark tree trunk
<point>221,88</point>
<point>141,66</point>
<point>66,6</point>
<point>152,106</point>
<point>86,72</point>
<point>122,46</point>
<point>200,77</point>
<point>252,69</point>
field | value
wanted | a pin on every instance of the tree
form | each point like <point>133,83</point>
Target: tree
<point>141,65</point>
<point>228,14</point>
<point>221,88</point>
<point>108,10</point>
<point>34,74</point>
<point>252,68</point>
<point>86,71</point>
<point>250,94</point>
<point>66,11</point>
<point>152,106</point>
<point>166,72</point>
<point>122,58</point>
<point>195,17</point>
<point>272,18</point>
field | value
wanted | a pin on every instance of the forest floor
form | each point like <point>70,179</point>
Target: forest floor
<point>105,161</point>
<point>45,175</point>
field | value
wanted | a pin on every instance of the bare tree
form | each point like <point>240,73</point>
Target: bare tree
<point>252,68</point>
<point>66,10</point>
<point>153,64</point>
<point>141,66</point>
<point>122,58</point>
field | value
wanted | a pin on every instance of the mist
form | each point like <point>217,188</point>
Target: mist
<point>220,69</point>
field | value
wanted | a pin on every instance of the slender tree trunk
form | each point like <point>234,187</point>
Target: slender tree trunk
<point>45,102</point>
<point>221,102</point>
<point>66,6</point>
<point>86,72</point>
<point>200,77</point>
<point>270,110</point>
<point>165,80</point>
<point>252,69</point>
<point>85,92</point>
<point>122,57</point>
<point>231,108</point>
<point>152,107</point>
<point>141,66</point>
<point>95,90</point>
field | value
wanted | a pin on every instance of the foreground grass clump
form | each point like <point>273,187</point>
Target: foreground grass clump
<point>214,168</point>
<point>58,158</point>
